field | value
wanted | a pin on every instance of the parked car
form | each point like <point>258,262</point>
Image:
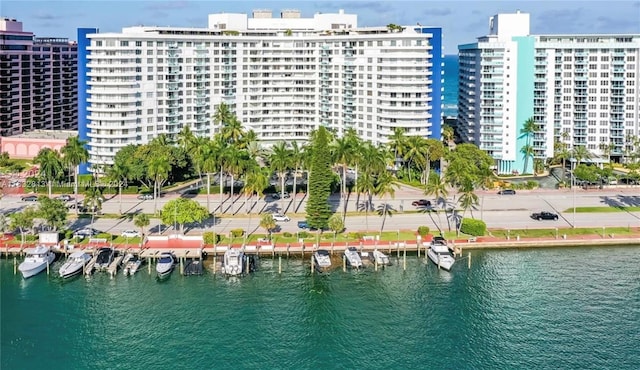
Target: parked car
<point>276,196</point>
<point>544,215</point>
<point>279,217</point>
<point>63,197</point>
<point>507,192</point>
<point>421,203</point>
<point>30,198</point>
<point>86,232</point>
<point>130,234</point>
<point>303,224</point>
<point>145,196</point>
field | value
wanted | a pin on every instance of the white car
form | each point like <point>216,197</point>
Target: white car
<point>279,217</point>
<point>130,234</point>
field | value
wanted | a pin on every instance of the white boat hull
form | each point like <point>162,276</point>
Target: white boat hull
<point>322,261</point>
<point>31,266</point>
<point>380,258</point>
<point>442,260</point>
<point>74,265</point>
<point>353,258</point>
<point>234,262</point>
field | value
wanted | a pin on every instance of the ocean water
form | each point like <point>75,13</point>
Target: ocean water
<point>450,95</point>
<point>574,308</point>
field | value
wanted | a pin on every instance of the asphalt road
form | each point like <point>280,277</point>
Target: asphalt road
<point>498,211</point>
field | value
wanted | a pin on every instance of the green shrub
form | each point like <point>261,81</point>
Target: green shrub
<point>210,238</point>
<point>236,233</point>
<point>103,236</point>
<point>355,235</point>
<point>287,234</point>
<point>68,234</point>
<point>303,234</point>
<point>423,230</point>
<point>473,227</point>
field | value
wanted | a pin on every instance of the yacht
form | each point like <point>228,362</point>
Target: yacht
<point>440,254</point>
<point>36,261</point>
<point>74,264</point>
<point>130,264</point>
<point>104,258</point>
<point>234,261</point>
<point>165,264</point>
<point>322,260</point>
<point>353,258</point>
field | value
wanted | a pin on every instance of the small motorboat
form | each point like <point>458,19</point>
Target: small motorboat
<point>104,258</point>
<point>193,267</point>
<point>322,260</point>
<point>234,262</point>
<point>165,265</point>
<point>379,258</point>
<point>36,261</point>
<point>74,264</point>
<point>440,254</point>
<point>353,257</point>
<point>130,264</point>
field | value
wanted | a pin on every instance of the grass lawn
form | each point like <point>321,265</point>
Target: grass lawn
<point>551,232</point>
<point>604,209</point>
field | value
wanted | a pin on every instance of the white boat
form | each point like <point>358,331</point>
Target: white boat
<point>74,264</point>
<point>353,258</point>
<point>165,264</point>
<point>322,260</point>
<point>36,261</point>
<point>130,264</point>
<point>104,258</point>
<point>380,258</point>
<point>440,254</point>
<point>234,262</point>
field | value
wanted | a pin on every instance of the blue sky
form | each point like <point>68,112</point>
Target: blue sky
<point>461,21</point>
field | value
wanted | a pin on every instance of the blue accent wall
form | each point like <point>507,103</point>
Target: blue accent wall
<point>437,83</point>
<point>83,104</point>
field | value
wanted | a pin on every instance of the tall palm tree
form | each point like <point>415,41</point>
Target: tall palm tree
<point>528,130</point>
<point>141,220</point>
<point>51,167</point>
<point>235,161</point>
<point>74,153</point>
<point>581,153</point>
<point>158,171</point>
<point>280,162</point>
<point>416,152</point>
<point>247,138</point>
<point>438,189</point>
<point>397,143</point>
<point>222,114</point>
<point>296,163</point>
<point>118,172</point>
<point>232,131</point>
<point>342,150</point>
<point>448,134</point>
<point>186,139</point>
<point>93,201</point>
<point>256,180</point>
<point>385,185</point>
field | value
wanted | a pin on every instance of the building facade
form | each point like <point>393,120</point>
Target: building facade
<point>282,77</point>
<point>38,81</point>
<point>581,90</point>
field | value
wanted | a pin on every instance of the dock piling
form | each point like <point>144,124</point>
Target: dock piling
<point>469,261</point>
<point>15,264</point>
<point>215,263</point>
<point>313,267</point>
<point>279,264</point>
<point>404,260</point>
<point>344,263</point>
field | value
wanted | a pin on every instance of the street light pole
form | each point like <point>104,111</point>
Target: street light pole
<point>573,185</point>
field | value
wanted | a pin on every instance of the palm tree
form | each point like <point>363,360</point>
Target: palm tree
<point>51,167</point>
<point>74,153</point>
<point>186,139</point>
<point>438,189</point>
<point>235,161</point>
<point>268,223</point>
<point>247,138</point>
<point>232,131</point>
<point>93,201</point>
<point>397,143</point>
<point>385,185</point>
<point>448,134</point>
<point>222,114</point>
<point>118,172</point>
<point>581,153</point>
<point>256,180</point>
<point>158,171</point>
<point>468,199</point>
<point>280,162</point>
<point>342,151</point>
<point>415,152</point>
<point>527,151</point>
<point>296,162</point>
<point>141,220</point>
<point>528,130</point>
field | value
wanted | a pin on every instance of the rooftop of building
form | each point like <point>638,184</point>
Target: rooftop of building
<point>46,134</point>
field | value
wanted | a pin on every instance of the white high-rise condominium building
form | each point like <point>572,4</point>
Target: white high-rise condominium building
<point>281,76</point>
<point>38,81</point>
<point>582,90</point>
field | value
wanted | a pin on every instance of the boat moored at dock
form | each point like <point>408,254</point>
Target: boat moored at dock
<point>379,258</point>
<point>130,264</point>
<point>234,262</point>
<point>104,258</point>
<point>192,267</point>
<point>74,264</point>
<point>36,261</point>
<point>166,263</point>
<point>440,254</point>
<point>322,260</point>
<point>353,257</point>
